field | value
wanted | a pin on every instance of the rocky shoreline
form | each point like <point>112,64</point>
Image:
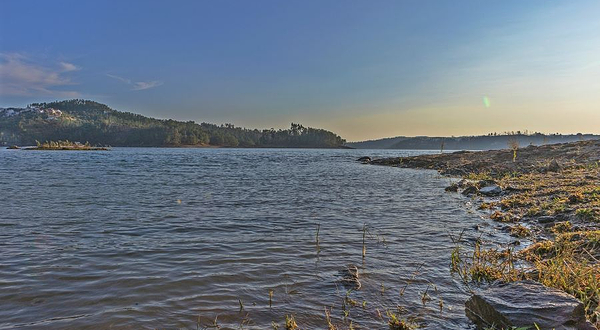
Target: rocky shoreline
<point>549,195</point>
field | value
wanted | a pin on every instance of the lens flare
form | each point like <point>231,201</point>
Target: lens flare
<point>486,102</point>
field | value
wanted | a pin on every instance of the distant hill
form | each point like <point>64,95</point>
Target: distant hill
<point>98,124</point>
<point>484,142</point>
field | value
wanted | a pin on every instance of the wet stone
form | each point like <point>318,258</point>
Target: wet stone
<point>521,304</point>
<point>492,190</point>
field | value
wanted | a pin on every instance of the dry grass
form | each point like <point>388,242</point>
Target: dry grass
<point>520,231</point>
<point>483,265</point>
<point>290,323</point>
<point>574,191</point>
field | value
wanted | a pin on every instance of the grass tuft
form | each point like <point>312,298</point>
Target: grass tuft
<point>290,322</point>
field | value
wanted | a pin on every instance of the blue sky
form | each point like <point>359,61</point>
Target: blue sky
<point>363,69</point>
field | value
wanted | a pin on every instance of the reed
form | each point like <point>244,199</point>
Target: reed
<point>412,278</point>
<point>330,325</point>
<point>364,241</point>
<point>317,241</point>
<point>513,144</point>
<point>425,298</point>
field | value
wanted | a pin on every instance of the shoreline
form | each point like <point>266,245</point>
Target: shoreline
<point>548,195</point>
<point>67,149</point>
<point>190,147</point>
<point>476,169</point>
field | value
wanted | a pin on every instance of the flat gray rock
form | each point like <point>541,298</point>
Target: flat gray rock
<point>547,219</point>
<point>522,304</point>
<point>492,190</point>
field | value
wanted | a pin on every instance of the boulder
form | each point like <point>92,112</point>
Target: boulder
<point>365,159</point>
<point>521,304</point>
<point>492,190</point>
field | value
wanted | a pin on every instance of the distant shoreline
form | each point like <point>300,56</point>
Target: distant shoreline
<point>175,147</point>
<point>85,120</point>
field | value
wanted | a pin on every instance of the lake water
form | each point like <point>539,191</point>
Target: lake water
<point>153,238</point>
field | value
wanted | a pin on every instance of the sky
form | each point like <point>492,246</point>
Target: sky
<point>363,69</point>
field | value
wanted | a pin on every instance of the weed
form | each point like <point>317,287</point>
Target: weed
<point>502,217</point>
<point>290,323</point>
<point>396,323</point>
<point>562,227</point>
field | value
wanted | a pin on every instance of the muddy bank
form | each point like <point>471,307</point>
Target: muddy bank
<point>497,163</point>
<point>544,186</point>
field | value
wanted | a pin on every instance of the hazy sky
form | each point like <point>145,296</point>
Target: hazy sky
<point>364,69</point>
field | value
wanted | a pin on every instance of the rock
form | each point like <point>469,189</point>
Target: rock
<point>470,190</point>
<point>365,159</point>
<point>521,304</point>
<point>452,188</point>
<point>493,190</point>
<point>350,278</point>
<point>553,166</point>
<point>13,147</point>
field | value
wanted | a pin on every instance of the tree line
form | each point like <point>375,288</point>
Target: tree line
<point>84,120</point>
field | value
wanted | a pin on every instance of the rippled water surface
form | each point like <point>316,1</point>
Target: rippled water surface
<point>161,238</point>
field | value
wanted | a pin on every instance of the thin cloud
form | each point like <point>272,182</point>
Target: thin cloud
<point>127,81</point>
<point>68,67</point>
<point>136,85</point>
<point>141,85</point>
<point>20,76</point>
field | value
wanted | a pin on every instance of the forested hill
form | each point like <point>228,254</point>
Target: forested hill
<point>491,141</point>
<point>96,123</point>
